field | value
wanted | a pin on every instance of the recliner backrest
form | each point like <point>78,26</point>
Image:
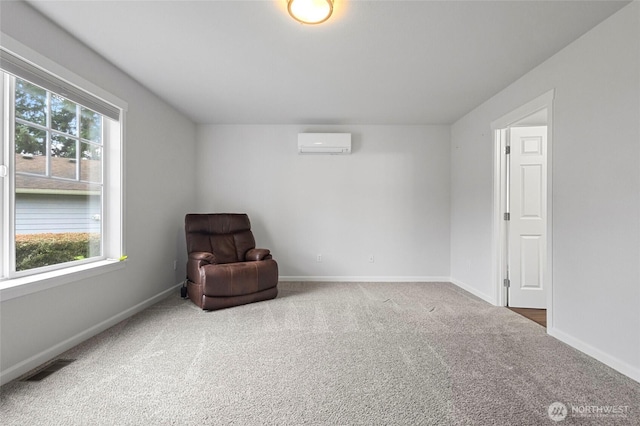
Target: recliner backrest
<point>227,235</point>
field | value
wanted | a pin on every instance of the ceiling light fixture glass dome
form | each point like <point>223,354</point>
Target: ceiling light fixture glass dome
<point>310,11</point>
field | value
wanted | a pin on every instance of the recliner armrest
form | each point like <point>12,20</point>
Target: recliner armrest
<point>257,254</point>
<point>195,262</point>
<point>202,257</point>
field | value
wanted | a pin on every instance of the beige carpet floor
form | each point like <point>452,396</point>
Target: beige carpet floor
<point>326,354</point>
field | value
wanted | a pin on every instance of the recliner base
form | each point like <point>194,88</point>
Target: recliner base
<point>211,303</point>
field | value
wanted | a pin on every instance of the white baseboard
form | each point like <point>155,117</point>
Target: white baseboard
<point>613,362</point>
<point>475,292</point>
<point>29,364</point>
<point>361,279</point>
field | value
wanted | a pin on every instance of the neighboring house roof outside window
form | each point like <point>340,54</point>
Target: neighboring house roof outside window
<point>62,176</point>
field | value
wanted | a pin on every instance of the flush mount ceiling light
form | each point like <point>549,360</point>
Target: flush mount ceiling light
<point>310,11</point>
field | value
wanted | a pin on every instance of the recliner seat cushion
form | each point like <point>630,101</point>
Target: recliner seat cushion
<point>235,279</point>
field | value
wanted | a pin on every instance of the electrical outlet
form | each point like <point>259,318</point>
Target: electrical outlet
<point>175,265</point>
<point>371,258</point>
<point>319,258</point>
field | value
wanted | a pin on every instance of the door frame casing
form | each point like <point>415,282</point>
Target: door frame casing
<point>499,250</point>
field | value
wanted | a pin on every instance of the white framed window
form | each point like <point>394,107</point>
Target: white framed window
<point>61,174</point>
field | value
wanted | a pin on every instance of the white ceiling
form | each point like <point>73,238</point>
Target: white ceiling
<point>373,62</point>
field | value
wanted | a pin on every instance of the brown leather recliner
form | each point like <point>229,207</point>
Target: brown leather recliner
<point>224,268</point>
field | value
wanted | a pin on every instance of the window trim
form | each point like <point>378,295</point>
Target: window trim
<point>113,193</point>
<point>76,84</point>
<point>22,286</point>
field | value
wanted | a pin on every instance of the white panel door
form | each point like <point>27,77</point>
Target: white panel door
<point>528,211</point>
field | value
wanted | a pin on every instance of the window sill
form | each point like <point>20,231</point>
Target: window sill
<point>18,287</point>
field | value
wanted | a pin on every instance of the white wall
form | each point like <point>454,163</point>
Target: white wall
<point>389,198</point>
<point>159,151</point>
<point>596,189</point>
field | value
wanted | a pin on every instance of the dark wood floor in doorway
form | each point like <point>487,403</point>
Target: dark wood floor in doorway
<point>536,315</point>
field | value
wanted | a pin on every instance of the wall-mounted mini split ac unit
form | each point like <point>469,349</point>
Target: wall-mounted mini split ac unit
<point>324,143</point>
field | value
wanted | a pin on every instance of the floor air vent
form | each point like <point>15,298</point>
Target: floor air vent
<point>48,370</point>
